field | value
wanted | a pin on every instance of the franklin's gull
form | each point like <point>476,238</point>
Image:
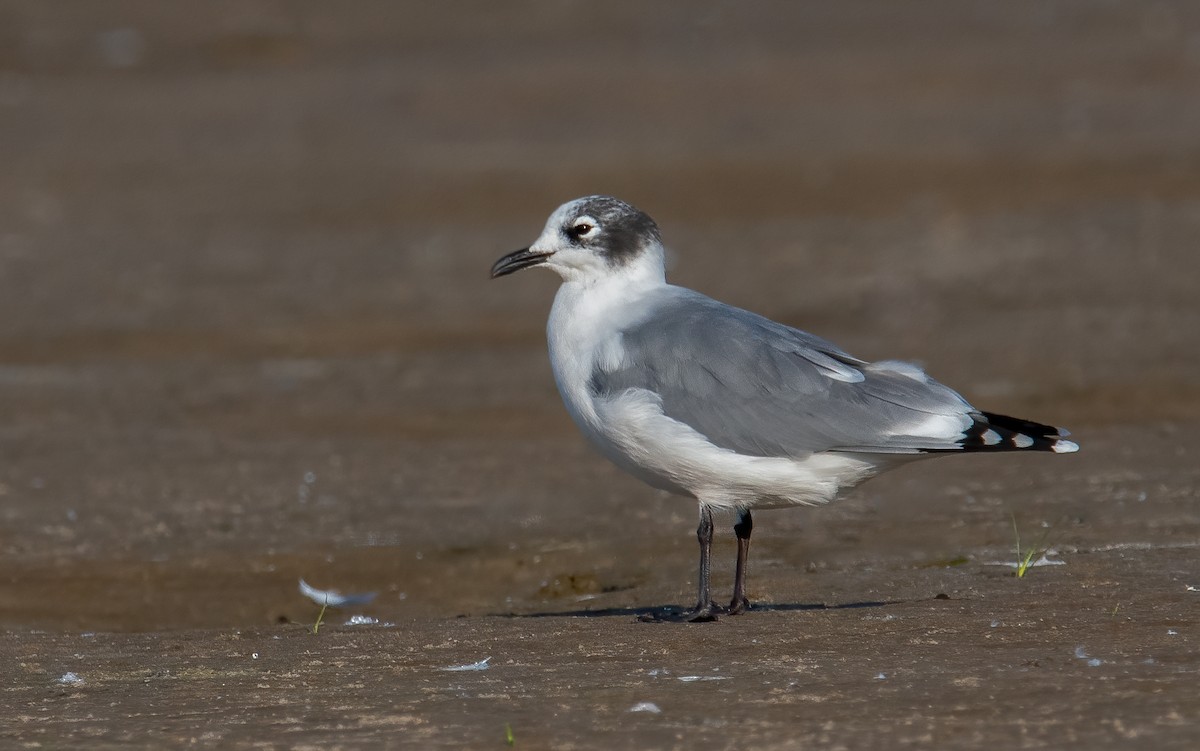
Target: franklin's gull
<point>724,406</point>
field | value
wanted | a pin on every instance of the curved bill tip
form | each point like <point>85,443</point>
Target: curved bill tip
<point>517,260</point>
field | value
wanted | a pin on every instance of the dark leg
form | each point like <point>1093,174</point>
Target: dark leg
<point>742,529</point>
<point>704,610</point>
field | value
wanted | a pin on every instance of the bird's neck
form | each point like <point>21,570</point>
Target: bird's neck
<point>585,308</point>
<point>602,295</point>
<point>644,270</point>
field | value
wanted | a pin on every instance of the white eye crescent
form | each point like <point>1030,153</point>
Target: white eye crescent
<point>582,227</point>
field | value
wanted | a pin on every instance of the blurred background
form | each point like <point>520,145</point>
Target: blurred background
<point>246,329</point>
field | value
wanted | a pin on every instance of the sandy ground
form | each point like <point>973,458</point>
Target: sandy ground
<point>246,336</point>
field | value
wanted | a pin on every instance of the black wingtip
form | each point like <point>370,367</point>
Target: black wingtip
<point>993,432</point>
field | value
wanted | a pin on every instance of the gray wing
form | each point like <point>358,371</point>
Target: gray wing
<point>764,389</point>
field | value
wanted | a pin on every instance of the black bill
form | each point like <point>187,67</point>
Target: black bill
<point>517,260</point>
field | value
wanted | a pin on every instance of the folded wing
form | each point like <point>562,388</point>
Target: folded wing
<point>760,388</point>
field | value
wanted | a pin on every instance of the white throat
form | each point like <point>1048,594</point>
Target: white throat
<point>590,269</point>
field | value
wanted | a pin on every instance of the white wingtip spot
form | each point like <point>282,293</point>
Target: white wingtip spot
<point>990,438</point>
<point>1022,441</point>
<point>1065,447</point>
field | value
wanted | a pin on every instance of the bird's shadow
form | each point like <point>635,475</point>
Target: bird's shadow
<point>666,613</point>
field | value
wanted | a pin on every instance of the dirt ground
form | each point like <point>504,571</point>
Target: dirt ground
<point>247,337</point>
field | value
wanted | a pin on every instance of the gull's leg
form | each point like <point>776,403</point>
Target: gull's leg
<point>742,529</point>
<point>704,610</point>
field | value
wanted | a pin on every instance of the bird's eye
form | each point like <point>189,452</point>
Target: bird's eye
<point>581,230</point>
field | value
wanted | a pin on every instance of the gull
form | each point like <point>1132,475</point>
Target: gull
<point>724,406</point>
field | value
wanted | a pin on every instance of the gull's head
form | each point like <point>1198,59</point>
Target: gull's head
<point>592,238</point>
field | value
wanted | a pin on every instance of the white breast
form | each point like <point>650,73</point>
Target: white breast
<point>584,332</point>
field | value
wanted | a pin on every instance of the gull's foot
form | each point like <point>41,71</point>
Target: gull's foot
<point>738,606</point>
<point>703,614</point>
<point>699,614</point>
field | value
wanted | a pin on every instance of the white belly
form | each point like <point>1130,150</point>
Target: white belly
<point>671,455</point>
